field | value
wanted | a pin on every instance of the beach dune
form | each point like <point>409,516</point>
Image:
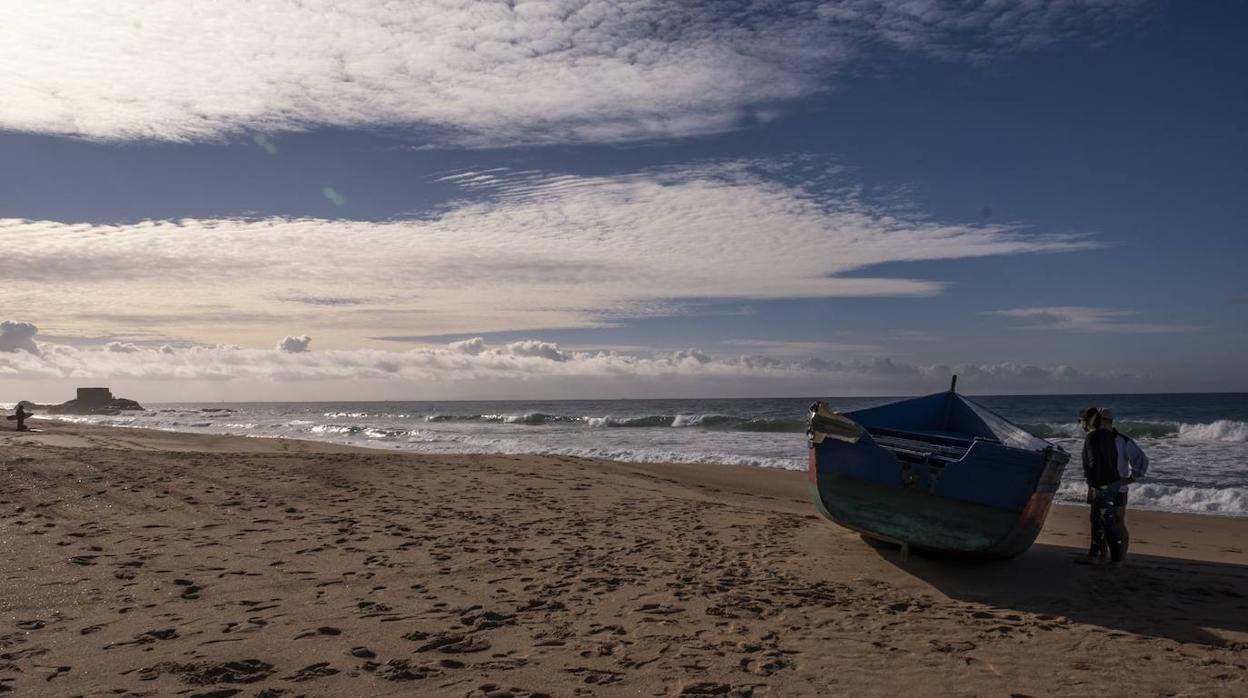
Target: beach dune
<point>152,563</point>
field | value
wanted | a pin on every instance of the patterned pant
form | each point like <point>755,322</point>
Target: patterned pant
<point>1105,524</point>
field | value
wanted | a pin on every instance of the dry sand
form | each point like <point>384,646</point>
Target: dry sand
<point>146,563</point>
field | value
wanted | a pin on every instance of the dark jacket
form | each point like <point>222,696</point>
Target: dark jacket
<point>1100,458</point>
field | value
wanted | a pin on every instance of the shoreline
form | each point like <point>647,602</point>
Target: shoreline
<point>146,560</point>
<point>1135,507</point>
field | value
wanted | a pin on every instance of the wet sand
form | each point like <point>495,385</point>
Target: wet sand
<point>149,563</point>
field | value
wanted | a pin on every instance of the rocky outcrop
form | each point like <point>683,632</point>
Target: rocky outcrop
<point>89,401</point>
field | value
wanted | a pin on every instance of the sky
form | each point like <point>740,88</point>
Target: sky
<point>582,199</point>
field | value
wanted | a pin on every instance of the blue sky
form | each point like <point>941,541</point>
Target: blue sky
<point>1098,156</point>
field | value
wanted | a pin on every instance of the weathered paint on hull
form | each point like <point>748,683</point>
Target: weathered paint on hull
<point>923,521</point>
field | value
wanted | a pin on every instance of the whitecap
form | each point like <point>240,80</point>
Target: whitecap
<point>1225,430</point>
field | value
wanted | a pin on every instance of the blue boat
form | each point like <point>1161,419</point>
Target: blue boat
<point>940,474</point>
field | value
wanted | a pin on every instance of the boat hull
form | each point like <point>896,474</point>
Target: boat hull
<point>990,503</point>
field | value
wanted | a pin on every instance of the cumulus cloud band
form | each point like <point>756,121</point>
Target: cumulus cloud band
<point>527,361</point>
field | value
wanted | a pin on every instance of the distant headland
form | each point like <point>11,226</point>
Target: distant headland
<point>89,401</point>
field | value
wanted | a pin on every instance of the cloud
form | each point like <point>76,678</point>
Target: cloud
<point>532,362</point>
<point>18,336</point>
<point>771,347</point>
<point>535,348</point>
<point>1083,319</point>
<point>294,345</point>
<point>470,72</point>
<point>531,251</point>
<point>473,346</point>
<point>323,300</point>
<point>121,347</point>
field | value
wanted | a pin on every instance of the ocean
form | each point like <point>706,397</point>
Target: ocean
<point>1198,443</point>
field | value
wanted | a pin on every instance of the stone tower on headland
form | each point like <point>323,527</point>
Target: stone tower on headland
<point>94,396</point>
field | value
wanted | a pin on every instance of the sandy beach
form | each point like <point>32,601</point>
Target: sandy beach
<point>142,563</point>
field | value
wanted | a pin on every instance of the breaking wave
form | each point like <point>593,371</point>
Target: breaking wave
<point>1228,501</point>
<point>648,455</point>
<point>650,421</point>
<point>451,418</point>
<point>1223,430</point>
<point>534,418</point>
<point>1223,501</point>
<point>359,430</point>
<point>630,422</point>
<point>727,423</point>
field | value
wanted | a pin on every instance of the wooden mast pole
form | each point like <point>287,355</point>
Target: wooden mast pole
<point>953,388</point>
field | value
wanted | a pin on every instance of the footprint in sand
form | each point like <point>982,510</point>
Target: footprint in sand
<point>453,643</point>
<point>56,671</point>
<point>190,590</point>
<point>404,670</point>
<point>710,688</point>
<point>596,677</point>
<point>311,672</point>
<point>490,690</point>
<point>146,638</point>
<point>328,630</point>
<point>240,671</point>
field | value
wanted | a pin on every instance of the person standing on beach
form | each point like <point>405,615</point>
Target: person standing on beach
<point>1100,470</point>
<point>1132,466</point>
<point>20,415</point>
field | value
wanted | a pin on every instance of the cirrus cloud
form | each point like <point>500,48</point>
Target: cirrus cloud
<point>532,251</point>
<point>471,72</point>
<point>1084,319</point>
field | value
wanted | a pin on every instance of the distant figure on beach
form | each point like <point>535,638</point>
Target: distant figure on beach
<point>20,414</point>
<point>1111,461</point>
